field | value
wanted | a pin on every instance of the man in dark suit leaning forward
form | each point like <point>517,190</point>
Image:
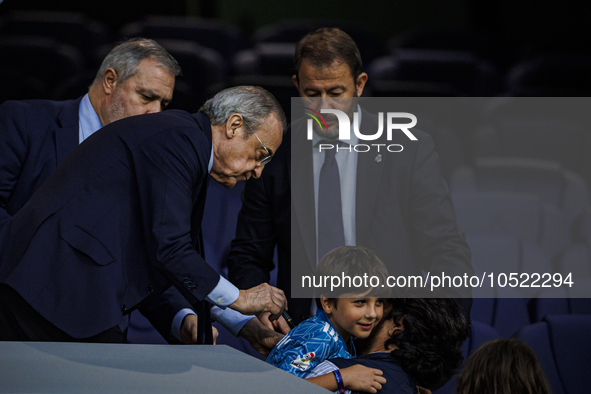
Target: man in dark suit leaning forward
<point>116,223</point>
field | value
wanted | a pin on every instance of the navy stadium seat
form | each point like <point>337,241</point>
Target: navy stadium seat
<point>552,183</point>
<point>562,345</point>
<point>210,33</point>
<point>458,71</point>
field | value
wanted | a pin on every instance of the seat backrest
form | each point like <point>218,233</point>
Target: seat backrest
<point>25,52</point>
<point>72,28</point>
<point>553,184</point>
<point>465,72</point>
<point>293,30</point>
<point>562,345</point>
<point>210,33</point>
<point>560,74</point>
<point>513,214</point>
<point>544,128</point>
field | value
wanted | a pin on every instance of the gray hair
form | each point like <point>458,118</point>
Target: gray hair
<point>126,57</point>
<point>254,103</point>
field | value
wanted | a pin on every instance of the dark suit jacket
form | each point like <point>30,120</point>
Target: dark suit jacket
<point>403,213</point>
<point>114,224</point>
<point>35,136</point>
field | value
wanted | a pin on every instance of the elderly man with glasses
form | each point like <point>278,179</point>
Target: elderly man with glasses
<point>118,222</point>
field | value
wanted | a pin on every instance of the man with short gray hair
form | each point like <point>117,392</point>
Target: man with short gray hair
<point>136,77</point>
<point>117,222</point>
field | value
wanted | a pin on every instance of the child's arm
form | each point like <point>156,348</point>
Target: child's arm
<point>355,378</point>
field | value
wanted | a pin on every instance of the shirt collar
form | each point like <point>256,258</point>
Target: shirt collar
<point>210,160</point>
<point>88,120</point>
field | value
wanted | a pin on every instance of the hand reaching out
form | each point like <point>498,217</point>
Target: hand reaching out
<point>261,298</point>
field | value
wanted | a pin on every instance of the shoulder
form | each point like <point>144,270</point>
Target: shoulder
<point>39,108</point>
<point>312,335</point>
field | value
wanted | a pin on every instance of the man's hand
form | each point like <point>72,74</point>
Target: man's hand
<point>189,330</point>
<point>260,337</point>
<point>262,298</point>
<point>279,325</point>
<point>361,378</point>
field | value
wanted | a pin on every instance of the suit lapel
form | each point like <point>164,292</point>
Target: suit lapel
<point>67,131</point>
<point>302,193</point>
<point>370,167</point>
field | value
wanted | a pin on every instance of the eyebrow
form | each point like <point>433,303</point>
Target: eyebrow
<point>332,88</point>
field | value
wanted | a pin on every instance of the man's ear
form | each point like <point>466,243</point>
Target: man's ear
<point>233,124</point>
<point>294,79</point>
<point>110,80</point>
<point>360,83</point>
<point>397,328</point>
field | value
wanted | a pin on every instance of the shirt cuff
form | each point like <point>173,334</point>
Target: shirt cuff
<point>231,319</point>
<point>224,294</point>
<point>175,328</point>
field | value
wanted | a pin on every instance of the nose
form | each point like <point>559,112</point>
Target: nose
<point>371,312</point>
<point>153,107</point>
<point>257,172</point>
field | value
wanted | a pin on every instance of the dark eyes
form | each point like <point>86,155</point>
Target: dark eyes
<point>331,94</point>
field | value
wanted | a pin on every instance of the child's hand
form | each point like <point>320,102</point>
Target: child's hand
<point>361,378</point>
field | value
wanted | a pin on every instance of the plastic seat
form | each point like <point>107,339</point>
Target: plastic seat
<point>553,184</point>
<point>25,53</point>
<point>71,28</point>
<point>202,68</point>
<point>562,345</point>
<point>542,128</point>
<point>266,59</point>
<point>556,75</point>
<point>293,30</point>
<point>521,215</point>
<point>464,72</point>
<point>485,45</point>
<point>210,33</point>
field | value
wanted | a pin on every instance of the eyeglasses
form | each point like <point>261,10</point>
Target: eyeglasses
<point>267,158</point>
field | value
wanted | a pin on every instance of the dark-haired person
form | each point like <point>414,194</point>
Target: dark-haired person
<point>505,366</point>
<point>417,343</point>
<point>117,223</point>
<point>397,205</point>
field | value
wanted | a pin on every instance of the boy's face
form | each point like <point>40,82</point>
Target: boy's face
<point>354,316</point>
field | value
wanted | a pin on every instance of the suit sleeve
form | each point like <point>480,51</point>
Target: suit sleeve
<point>171,170</point>
<point>250,260</point>
<point>440,242</point>
<point>13,152</point>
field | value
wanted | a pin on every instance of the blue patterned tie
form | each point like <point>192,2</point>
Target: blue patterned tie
<point>331,233</point>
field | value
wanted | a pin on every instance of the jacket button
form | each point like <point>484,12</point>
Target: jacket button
<point>123,308</point>
<point>149,289</point>
<point>186,280</point>
<point>193,288</point>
